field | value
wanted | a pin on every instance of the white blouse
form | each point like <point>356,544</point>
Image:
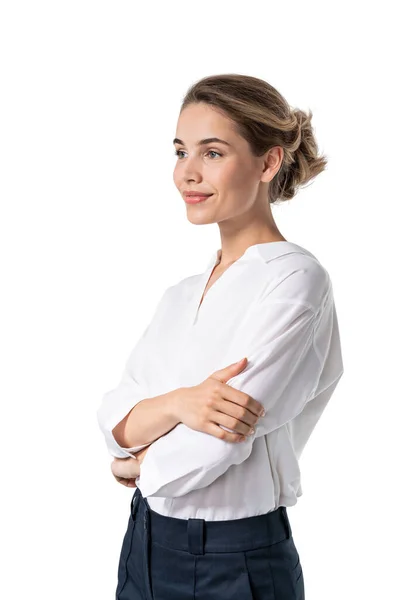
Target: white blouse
<point>275,306</point>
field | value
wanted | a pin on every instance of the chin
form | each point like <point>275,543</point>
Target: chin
<point>200,219</point>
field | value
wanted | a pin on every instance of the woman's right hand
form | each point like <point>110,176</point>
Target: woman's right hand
<point>205,406</point>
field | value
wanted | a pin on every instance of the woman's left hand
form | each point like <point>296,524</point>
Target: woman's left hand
<point>126,470</point>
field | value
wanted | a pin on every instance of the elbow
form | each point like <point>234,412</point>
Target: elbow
<point>104,416</point>
<point>100,419</point>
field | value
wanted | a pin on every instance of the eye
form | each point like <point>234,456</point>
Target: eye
<point>177,152</point>
<point>214,152</point>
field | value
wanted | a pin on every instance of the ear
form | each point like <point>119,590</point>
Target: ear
<point>272,163</point>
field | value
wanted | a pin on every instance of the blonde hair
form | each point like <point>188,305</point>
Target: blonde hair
<point>265,119</point>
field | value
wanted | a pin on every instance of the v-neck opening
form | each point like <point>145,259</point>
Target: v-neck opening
<point>205,290</point>
<point>198,299</point>
<point>201,299</point>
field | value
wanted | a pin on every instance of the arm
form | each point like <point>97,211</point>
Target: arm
<point>120,401</point>
<point>283,371</point>
<point>119,415</point>
<point>147,421</point>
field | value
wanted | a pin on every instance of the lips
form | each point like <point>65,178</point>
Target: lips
<point>196,194</point>
<point>195,198</point>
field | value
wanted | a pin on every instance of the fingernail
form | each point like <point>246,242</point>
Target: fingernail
<point>252,430</point>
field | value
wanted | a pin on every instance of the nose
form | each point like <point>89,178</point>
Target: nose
<point>190,168</point>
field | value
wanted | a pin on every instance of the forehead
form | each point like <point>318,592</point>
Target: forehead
<point>198,121</point>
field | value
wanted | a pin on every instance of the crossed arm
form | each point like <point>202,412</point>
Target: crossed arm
<point>282,373</point>
<point>284,368</point>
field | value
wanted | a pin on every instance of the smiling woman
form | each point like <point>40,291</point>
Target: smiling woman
<point>220,437</point>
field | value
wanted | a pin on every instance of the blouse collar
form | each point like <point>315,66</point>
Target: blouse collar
<point>264,251</point>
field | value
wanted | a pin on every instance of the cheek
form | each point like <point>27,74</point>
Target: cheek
<point>239,179</point>
<point>230,176</point>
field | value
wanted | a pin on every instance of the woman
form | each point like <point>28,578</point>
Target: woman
<point>221,393</point>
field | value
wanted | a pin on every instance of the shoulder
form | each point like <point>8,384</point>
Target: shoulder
<point>298,277</point>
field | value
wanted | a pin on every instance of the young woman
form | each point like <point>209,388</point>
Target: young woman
<point>221,393</point>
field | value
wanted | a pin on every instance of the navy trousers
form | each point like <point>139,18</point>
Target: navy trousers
<point>165,558</point>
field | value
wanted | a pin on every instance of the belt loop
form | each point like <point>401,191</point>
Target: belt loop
<point>286,521</point>
<point>134,503</point>
<point>196,535</point>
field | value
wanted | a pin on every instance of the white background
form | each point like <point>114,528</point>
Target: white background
<point>93,230</point>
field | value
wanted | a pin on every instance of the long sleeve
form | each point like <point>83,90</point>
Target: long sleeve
<point>118,402</point>
<point>132,389</point>
<point>283,371</point>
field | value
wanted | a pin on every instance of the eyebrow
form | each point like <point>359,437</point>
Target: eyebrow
<point>203,142</point>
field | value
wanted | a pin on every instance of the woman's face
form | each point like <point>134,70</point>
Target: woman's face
<point>229,172</point>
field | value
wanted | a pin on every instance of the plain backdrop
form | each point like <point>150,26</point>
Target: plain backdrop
<point>93,230</point>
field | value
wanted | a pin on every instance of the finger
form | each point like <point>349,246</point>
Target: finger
<point>130,483</point>
<point>236,425</point>
<point>230,393</point>
<point>125,481</point>
<point>235,412</point>
<point>227,436</point>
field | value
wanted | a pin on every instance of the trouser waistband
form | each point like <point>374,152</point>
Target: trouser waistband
<point>200,536</point>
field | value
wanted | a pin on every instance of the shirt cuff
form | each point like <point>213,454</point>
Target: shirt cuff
<point>118,451</point>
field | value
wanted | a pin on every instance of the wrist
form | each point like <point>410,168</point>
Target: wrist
<point>175,404</point>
